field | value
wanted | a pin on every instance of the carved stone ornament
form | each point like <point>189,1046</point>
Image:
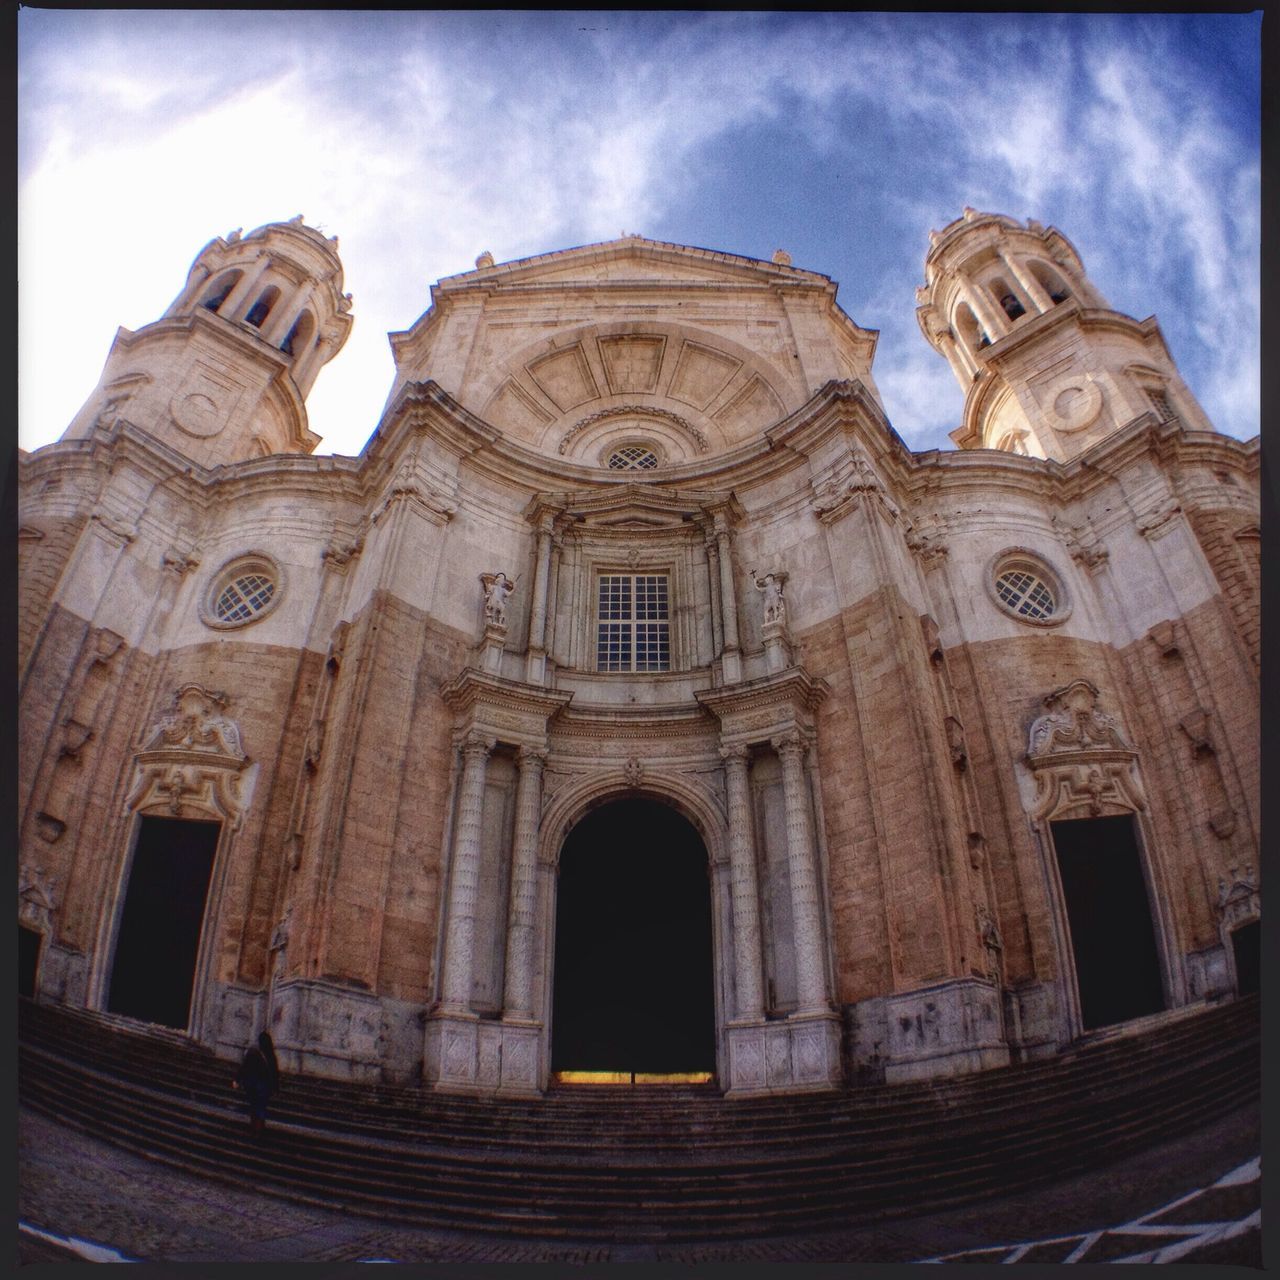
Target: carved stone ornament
<point>633,771</point>
<point>634,410</point>
<point>1080,757</point>
<point>1082,543</point>
<point>408,484</point>
<point>36,898</point>
<point>844,486</point>
<point>1239,901</point>
<point>192,757</point>
<point>497,590</point>
<point>1158,519</point>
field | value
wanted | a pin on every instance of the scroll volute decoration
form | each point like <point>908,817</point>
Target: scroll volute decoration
<point>193,758</point>
<point>1080,758</point>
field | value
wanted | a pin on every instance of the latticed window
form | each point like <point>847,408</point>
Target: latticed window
<point>1025,593</point>
<point>243,597</point>
<point>633,623</point>
<point>633,457</point>
<point>1160,401</point>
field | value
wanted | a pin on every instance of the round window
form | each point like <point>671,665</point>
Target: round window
<point>633,457</point>
<point>246,590</point>
<point>1026,587</point>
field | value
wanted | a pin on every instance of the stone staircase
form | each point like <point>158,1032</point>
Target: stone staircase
<point>675,1163</point>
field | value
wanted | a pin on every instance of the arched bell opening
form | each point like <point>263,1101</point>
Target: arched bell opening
<point>633,990</point>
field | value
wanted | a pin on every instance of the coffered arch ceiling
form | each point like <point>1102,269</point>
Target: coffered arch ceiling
<point>689,391</point>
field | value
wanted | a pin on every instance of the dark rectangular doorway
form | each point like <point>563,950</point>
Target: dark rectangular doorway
<point>159,935</point>
<point>1246,947</point>
<point>1109,913</point>
<point>29,941</point>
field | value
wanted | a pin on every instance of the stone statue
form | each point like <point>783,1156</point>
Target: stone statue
<point>775,607</point>
<point>497,589</point>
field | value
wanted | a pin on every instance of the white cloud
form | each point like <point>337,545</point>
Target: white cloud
<point>423,139</point>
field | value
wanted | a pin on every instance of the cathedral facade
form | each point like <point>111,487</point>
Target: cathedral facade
<point>637,701</point>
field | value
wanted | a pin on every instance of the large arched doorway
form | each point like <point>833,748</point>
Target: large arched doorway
<point>634,988</point>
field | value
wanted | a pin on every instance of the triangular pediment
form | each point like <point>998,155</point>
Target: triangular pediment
<point>633,260</point>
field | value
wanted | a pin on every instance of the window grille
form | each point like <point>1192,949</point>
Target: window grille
<point>633,630</point>
<point>243,598</point>
<point>1025,594</point>
<point>633,457</point>
<point>1163,408</point>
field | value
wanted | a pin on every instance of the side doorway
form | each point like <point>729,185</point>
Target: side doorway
<point>1113,939</point>
<point>158,937</point>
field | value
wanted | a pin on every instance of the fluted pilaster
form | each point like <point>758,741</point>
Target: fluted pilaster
<point>465,877</point>
<point>518,987</point>
<point>746,900</point>
<point>811,985</point>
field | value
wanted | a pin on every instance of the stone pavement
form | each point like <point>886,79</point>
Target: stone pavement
<point>81,1199</point>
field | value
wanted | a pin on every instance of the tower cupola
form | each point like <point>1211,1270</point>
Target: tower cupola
<point>223,375</point>
<point>1047,367</point>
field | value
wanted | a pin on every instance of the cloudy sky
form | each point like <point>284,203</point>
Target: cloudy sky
<point>421,139</point>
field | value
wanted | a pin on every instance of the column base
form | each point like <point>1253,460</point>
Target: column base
<point>467,1054</point>
<point>798,1054</point>
<point>948,1029</point>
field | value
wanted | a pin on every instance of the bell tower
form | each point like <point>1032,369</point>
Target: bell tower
<point>223,375</point>
<point>1047,366</point>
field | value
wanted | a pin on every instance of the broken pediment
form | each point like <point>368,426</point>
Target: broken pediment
<point>630,506</point>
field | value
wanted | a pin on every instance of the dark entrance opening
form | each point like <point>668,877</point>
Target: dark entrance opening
<point>1245,944</point>
<point>29,941</point>
<point>159,935</point>
<point>1112,937</point>
<point>633,964</point>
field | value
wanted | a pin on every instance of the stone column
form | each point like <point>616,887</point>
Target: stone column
<point>958,355</point>
<point>464,879</point>
<point>285,313</point>
<point>1034,289</point>
<point>802,866</point>
<point>728,604</point>
<point>235,306</point>
<point>713,575</point>
<point>538,603</point>
<point>518,986</point>
<point>746,901</point>
<point>989,316</point>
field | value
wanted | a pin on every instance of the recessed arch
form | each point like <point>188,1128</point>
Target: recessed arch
<point>634,987</point>
<point>573,802</point>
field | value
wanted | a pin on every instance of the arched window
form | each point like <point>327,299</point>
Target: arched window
<point>1007,299</point>
<point>220,290</point>
<point>1013,442</point>
<point>299,337</point>
<point>262,308</point>
<point>1053,283</point>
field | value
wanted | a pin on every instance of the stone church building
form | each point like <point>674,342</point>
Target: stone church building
<point>637,701</point>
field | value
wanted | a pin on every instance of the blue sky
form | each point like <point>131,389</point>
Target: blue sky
<point>421,139</point>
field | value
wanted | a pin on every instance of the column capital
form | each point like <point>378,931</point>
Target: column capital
<point>739,753</point>
<point>532,757</point>
<point>790,745</point>
<point>475,746</point>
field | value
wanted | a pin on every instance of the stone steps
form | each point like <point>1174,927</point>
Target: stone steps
<point>591,1113</point>
<point>770,1171</point>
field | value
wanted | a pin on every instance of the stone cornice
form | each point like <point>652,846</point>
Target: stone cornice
<point>611,722</point>
<point>794,686</point>
<point>472,687</point>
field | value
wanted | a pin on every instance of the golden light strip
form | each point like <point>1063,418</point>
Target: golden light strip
<point>632,1077</point>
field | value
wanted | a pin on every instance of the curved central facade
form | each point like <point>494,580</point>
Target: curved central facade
<point>634,536</point>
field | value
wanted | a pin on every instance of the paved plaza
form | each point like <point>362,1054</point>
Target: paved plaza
<point>1196,1199</point>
